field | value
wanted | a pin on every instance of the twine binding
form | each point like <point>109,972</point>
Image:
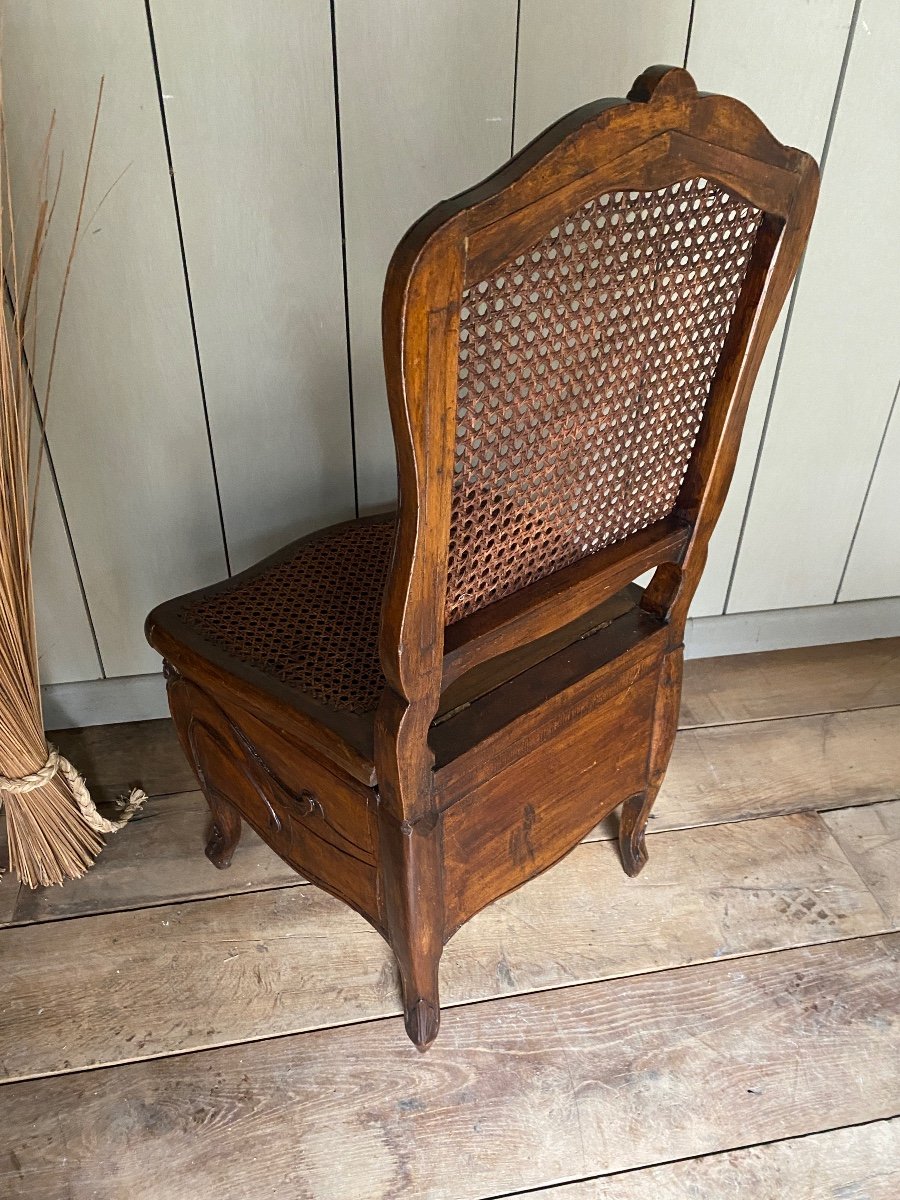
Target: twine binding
<point>57,764</point>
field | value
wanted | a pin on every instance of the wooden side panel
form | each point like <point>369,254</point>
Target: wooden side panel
<point>426,109</point>
<point>538,806</point>
<point>841,364</point>
<point>572,53</point>
<point>250,108</point>
<point>126,424</point>
<point>783,60</point>
<point>873,568</point>
<point>320,824</point>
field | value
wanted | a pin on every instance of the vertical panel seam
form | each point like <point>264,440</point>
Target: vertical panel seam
<point>690,30</point>
<point>344,269</point>
<point>838,91</point>
<point>187,281</point>
<point>865,500</point>
<point>515,87</point>
<point>36,409</point>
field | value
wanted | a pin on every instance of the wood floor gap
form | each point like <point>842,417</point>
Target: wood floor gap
<point>671,1162</point>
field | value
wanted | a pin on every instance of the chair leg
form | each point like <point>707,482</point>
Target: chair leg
<point>632,825</point>
<point>636,809</point>
<point>224,832</point>
<point>411,880</point>
<point>421,999</point>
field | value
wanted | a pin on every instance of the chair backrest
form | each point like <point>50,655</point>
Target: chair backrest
<point>570,348</point>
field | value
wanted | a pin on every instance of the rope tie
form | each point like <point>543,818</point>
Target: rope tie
<point>56,764</point>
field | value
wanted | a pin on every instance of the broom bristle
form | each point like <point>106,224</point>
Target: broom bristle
<point>49,841</point>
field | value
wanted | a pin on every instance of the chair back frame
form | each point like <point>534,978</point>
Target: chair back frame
<point>664,133</point>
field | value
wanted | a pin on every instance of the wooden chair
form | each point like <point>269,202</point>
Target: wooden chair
<point>420,711</point>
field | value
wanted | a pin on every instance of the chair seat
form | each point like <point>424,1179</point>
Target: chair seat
<point>303,624</point>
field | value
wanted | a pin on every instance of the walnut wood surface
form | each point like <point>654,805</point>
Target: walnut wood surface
<point>419,824</point>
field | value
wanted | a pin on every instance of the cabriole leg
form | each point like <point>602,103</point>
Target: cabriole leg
<point>411,874</point>
<point>632,826</point>
<point>636,809</point>
<point>224,832</point>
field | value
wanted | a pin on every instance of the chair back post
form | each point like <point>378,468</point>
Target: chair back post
<point>420,318</point>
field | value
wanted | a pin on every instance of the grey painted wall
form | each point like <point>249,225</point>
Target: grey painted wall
<point>219,386</point>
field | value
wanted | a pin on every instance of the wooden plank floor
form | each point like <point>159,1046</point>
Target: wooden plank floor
<point>725,1025</point>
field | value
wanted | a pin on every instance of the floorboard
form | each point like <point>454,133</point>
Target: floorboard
<point>870,837</point>
<point>278,962</point>
<point>859,1163</point>
<point>156,859</point>
<point>706,1030</point>
<point>116,758</point>
<point>530,1091</point>
<point>729,773</point>
<point>790,683</point>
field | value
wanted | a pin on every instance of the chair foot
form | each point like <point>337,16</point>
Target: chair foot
<point>632,825</point>
<point>224,833</point>
<point>422,1020</point>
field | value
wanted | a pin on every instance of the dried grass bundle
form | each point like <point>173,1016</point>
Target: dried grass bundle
<point>54,829</point>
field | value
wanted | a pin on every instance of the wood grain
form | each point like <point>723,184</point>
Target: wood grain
<point>790,683</point>
<point>729,773</point>
<point>157,859</point>
<point>870,837</point>
<point>289,960</point>
<point>717,691</point>
<point>862,1161</point>
<point>553,1086</point>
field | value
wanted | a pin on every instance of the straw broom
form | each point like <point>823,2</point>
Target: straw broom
<point>54,829</point>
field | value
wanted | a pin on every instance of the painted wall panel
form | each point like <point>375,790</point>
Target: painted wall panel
<point>873,568</point>
<point>582,50</point>
<point>66,650</point>
<point>842,358</point>
<point>783,59</point>
<point>249,95</point>
<point>426,110</point>
<point>126,423</point>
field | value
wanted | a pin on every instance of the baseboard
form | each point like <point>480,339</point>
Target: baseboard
<point>783,628</point>
<point>143,697</point>
<point>104,701</point>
